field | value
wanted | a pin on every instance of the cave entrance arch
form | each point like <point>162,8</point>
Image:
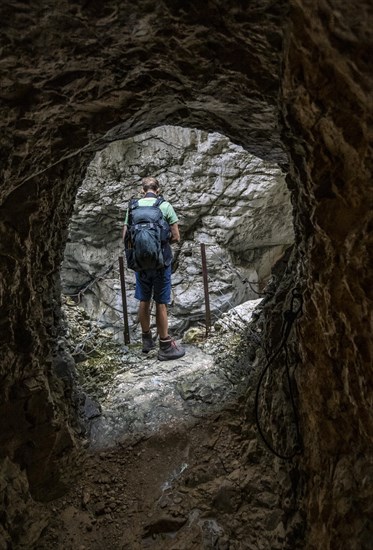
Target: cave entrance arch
<point>235,203</point>
<point>232,201</point>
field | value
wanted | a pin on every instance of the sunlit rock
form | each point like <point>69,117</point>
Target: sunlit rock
<point>235,203</point>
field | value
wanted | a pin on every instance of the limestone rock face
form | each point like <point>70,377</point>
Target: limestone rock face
<point>235,203</point>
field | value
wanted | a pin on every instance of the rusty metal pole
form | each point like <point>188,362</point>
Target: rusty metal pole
<point>126,331</point>
<point>206,288</point>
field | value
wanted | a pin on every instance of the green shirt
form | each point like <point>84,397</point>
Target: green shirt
<point>166,208</point>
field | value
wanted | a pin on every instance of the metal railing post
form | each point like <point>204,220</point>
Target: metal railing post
<point>206,288</point>
<point>126,331</point>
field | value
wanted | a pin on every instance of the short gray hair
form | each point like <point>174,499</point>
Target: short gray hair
<point>150,184</point>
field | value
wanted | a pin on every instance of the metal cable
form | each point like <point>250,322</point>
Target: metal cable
<point>290,316</point>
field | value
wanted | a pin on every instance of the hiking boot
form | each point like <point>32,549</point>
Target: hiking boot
<point>168,350</point>
<point>147,342</point>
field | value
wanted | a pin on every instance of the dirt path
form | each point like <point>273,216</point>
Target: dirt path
<point>200,487</point>
<point>194,482</point>
<point>143,495</point>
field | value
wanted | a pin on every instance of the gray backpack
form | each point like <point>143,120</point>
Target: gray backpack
<point>147,235</point>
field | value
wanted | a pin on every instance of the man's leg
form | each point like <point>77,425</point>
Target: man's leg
<point>162,293</point>
<point>162,297</point>
<point>143,293</point>
<point>144,315</point>
<point>144,318</point>
<point>162,320</point>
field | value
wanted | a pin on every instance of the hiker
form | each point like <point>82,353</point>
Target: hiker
<point>155,281</point>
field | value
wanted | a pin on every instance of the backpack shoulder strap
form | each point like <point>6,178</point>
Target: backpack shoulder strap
<point>158,202</point>
<point>133,203</point>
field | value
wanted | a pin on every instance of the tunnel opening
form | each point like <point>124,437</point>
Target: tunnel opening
<point>233,203</point>
<point>158,463</point>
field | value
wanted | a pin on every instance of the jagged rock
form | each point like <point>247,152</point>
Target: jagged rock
<point>133,394</point>
<point>24,519</point>
<point>164,524</point>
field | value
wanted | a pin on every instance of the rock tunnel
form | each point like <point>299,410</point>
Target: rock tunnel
<point>289,81</point>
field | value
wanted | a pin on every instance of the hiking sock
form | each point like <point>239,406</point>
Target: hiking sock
<point>147,342</point>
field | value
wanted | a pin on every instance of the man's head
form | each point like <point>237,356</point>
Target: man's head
<point>150,184</point>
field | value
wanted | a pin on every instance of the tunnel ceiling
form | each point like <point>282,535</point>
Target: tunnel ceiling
<point>73,71</point>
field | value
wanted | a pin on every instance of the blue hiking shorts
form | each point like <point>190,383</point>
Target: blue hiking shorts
<point>154,283</point>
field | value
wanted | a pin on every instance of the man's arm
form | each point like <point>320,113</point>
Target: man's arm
<point>175,233</point>
<point>124,231</point>
<point>125,226</point>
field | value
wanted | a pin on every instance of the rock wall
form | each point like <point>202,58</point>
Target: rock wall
<point>326,116</point>
<point>235,203</point>
<point>79,75</point>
